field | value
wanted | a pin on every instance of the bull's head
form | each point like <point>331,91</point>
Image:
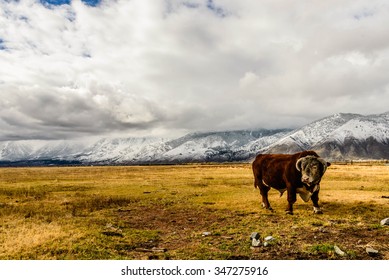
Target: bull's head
<point>312,169</point>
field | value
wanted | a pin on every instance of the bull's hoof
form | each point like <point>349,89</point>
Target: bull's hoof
<point>288,212</point>
<point>317,210</point>
<point>267,207</point>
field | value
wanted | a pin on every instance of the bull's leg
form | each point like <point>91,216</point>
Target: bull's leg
<point>265,200</point>
<point>263,190</point>
<point>291,199</point>
<point>315,200</point>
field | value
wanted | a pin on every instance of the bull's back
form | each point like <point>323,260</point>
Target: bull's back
<point>273,169</point>
<point>279,160</point>
<point>270,165</point>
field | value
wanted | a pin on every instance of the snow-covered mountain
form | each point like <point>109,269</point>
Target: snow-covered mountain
<point>363,137</point>
<point>195,147</point>
<point>340,137</point>
<point>220,146</point>
<point>308,136</point>
<point>337,137</point>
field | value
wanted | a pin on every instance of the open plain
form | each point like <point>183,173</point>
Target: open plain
<point>186,212</point>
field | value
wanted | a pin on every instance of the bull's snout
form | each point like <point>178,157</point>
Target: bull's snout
<point>305,179</point>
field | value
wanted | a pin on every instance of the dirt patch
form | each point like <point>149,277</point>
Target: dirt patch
<point>228,235</point>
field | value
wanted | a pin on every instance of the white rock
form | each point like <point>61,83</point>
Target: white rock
<point>269,238</point>
<point>338,251</point>
<point>371,251</point>
<point>256,242</point>
<point>385,222</point>
<point>255,235</point>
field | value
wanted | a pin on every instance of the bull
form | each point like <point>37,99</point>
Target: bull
<point>299,173</point>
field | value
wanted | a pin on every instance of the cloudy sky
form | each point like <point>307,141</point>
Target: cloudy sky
<point>77,68</point>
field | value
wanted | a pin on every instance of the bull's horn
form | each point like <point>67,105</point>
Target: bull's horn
<point>324,164</point>
<point>298,164</point>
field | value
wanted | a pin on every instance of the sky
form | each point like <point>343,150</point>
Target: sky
<point>72,69</point>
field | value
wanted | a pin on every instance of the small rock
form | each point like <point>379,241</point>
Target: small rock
<point>255,242</point>
<point>227,237</point>
<point>385,222</point>
<point>152,250</point>
<point>269,238</point>
<point>255,239</point>
<point>371,251</point>
<point>255,235</point>
<point>158,250</point>
<point>338,251</point>
<point>206,233</point>
<point>266,244</point>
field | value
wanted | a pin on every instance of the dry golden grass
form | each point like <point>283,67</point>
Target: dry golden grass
<point>126,212</point>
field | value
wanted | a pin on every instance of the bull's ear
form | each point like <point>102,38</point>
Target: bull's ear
<point>298,164</point>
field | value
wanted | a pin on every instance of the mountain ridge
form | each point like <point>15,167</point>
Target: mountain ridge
<point>341,136</point>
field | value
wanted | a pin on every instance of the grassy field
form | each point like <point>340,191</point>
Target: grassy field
<point>161,212</point>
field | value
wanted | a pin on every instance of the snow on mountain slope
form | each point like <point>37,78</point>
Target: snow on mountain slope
<point>262,144</point>
<point>59,149</point>
<point>340,136</point>
<point>18,150</point>
<point>307,136</point>
<point>363,127</point>
<point>197,148</point>
<point>118,149</point>
<point>364,137</point>
<point>220,146</point>
<point>194,147</point>
<point>87,150</point>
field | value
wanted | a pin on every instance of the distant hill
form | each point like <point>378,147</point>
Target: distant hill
<point>337,137</point>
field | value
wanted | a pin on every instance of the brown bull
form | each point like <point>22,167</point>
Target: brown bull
<point>298,173</point>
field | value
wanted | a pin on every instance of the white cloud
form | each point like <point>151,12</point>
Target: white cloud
<point>151,66</point>
<point>248,80</point>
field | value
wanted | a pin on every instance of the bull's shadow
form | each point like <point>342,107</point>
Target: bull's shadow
<point>369,210</point>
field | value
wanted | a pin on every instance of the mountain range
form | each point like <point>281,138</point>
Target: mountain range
<point>337,137</point>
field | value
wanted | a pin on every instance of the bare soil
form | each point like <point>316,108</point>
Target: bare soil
<point>182,228</point>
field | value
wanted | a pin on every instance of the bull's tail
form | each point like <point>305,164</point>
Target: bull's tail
<point>256,172</point>
<point>256,183</point>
